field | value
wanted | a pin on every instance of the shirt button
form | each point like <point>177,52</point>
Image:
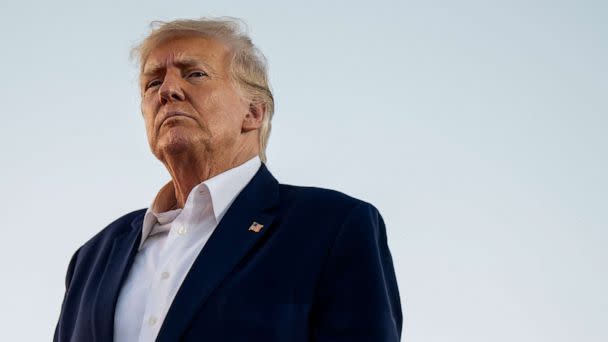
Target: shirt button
<point>152,320</point>
<point>181,230</point>
<point>164,275</point>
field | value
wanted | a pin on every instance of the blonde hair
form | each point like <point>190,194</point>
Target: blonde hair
<point>248,67</point>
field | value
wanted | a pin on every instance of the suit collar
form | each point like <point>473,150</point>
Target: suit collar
<point>229,243</point>
<point>120,259</point>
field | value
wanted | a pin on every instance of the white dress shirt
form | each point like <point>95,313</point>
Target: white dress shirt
<point>171,241</point>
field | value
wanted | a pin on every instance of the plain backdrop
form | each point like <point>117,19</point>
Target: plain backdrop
<point>477,128</point>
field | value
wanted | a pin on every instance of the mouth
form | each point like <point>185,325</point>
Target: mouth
<point>173,114</point>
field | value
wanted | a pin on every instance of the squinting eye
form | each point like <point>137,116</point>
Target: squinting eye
<point>197,74</point>
<point>152,84</point>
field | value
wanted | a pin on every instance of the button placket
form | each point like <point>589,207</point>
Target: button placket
<point>160,287</point>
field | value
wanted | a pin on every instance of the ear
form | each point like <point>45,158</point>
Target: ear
<point>254,118</point>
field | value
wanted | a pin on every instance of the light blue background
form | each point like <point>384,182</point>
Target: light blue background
<point>478,128</point>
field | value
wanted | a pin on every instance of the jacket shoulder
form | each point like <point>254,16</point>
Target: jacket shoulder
<point>319,199</point>
<point>118,226</point>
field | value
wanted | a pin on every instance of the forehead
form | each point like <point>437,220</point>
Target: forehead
<point>189,49</point>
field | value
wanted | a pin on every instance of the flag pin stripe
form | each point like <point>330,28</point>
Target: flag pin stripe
<point>256,227</point>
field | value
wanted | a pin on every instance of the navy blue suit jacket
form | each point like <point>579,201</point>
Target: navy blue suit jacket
<point>319,270</point>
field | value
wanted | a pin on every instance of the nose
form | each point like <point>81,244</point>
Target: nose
<point>171,90</point>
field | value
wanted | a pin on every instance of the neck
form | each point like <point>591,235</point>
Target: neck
<point>190,169</point>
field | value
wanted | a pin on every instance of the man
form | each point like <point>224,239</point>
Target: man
<point>225,252</point>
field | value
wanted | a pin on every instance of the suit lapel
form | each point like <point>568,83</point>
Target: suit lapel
<point>120,259</point>
<point>228,244</point>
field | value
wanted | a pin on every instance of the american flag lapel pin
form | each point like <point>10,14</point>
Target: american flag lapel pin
<point>256,227</point>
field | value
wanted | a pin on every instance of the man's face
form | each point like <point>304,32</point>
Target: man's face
<point>188,98</point>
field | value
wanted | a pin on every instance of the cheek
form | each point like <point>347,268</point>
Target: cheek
<point>147,111</point>
<point>236,108</point>
<point>221,110</point>
<point>231,119</point>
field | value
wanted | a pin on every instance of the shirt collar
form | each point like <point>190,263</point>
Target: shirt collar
<point>223,189</point>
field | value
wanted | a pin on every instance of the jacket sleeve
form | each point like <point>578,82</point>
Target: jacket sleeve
<point>68,280</point>
<point>357,298</point>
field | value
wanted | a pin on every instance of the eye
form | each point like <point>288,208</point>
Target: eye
<point>197,74</point>
<point>152,83</point>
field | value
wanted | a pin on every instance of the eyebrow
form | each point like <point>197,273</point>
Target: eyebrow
<point>182,63</point>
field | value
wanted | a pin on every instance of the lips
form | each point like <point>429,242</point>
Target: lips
<point>172,114</point>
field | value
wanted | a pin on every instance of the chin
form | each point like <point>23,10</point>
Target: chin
<point>174,143</point>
